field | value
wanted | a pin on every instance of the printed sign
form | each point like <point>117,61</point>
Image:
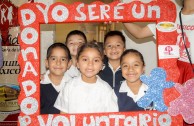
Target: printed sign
<point>168,51</point>
<point>9,86</point>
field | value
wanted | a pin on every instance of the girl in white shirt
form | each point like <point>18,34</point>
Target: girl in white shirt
<point>87,93</point>
<point>132,89</point>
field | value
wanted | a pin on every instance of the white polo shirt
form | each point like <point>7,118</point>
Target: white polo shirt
<point>48,81</point>
<point>125,88</point>
<point>81,97</point>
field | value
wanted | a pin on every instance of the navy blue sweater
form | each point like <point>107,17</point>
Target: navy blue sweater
<point>126,103</point>
<point>48,96</point>
<point>113,79</point>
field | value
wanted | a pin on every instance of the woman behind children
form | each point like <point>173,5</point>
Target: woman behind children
<point>132,89</point>
<point>87,93</point>
<point>186,16</point>
<point>57,62</point>
<point>74,39</point>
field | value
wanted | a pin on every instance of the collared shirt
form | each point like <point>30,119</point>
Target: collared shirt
<point>127,100</point>
<point>125,88</point>
<point>48,81</point>
<point>80,97</point>
<point>114,72</point>
<point>49,93</point>
<point>113,78</point>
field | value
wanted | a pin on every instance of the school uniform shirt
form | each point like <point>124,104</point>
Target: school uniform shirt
<point>127,100</point>
<point>113,78</point>
<point>48,94</point>
<point>80,97</point>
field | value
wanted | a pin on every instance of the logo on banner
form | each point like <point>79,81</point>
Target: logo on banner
<point>168,51</point>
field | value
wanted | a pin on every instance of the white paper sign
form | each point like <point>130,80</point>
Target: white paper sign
<point>168,51</point>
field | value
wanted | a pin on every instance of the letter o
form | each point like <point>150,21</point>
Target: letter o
<point>24,35</point>
<point>167,118</point>
<point>63,16</point>
<point>62,119</point>
<point>24,106</point>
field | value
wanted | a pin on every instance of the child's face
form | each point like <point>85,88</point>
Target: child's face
<point>73,42</point>
<point>58,62</point>
<point>114,47</point>
<point>89,64</point>
<point>132,67</point>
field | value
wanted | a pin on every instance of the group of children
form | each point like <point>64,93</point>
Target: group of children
<point>80,80</point>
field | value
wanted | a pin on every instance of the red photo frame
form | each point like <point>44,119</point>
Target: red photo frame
<point>31,15</point>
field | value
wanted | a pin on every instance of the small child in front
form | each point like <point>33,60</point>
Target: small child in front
<point>132,89</point>
<point>87,93</point>
<point>57,63</point>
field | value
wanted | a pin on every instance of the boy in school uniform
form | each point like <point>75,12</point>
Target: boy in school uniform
<point>57,63</point>
<point>114,46</point>
<point>74,40</point>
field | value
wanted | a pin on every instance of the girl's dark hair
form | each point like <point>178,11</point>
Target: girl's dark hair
<point>58,45</point>
<point>90,45</point>
<point>114,33</point>
<point>127,51</point>
<point>76,32</point>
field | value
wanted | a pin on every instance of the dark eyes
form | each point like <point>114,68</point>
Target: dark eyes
<point>95,60</point>
<point>70,43</point>
<point>84,59</point>
<point>64,59</point>
<point>134,65</point>
<point>75,43</point>
<point>111,46</point>
<point>54,59</point>
<point>124,66</point>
